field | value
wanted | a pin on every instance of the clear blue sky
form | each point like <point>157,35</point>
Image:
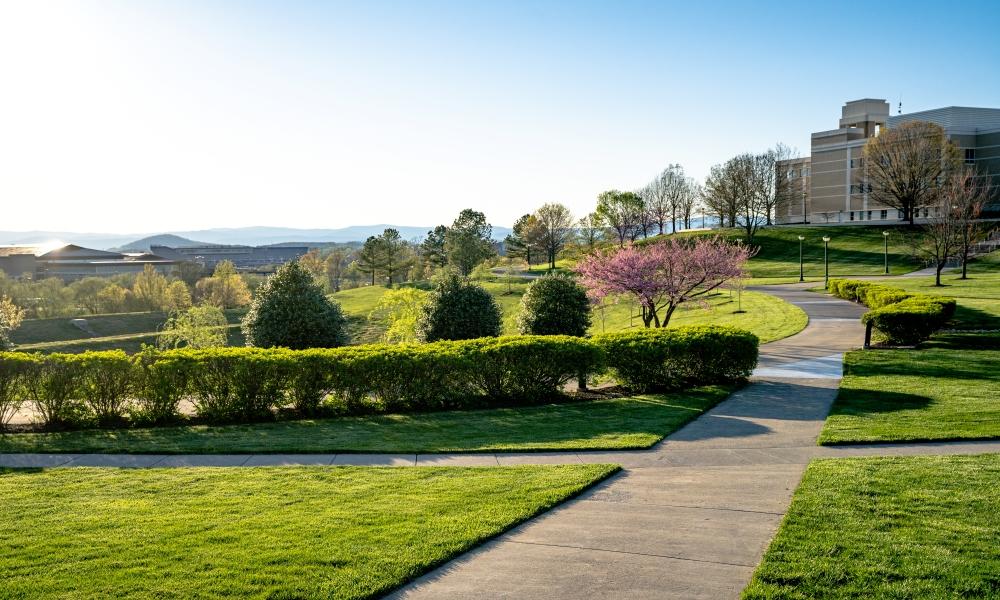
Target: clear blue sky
<point>155,115</point>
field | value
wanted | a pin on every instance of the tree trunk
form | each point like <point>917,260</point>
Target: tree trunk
<point>937,273</point>
<point>669,313</point>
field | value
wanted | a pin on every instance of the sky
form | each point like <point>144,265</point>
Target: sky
<point>149,115</point>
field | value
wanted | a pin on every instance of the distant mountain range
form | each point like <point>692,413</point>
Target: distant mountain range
<point>251,236</point>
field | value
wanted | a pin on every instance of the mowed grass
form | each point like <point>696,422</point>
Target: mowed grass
<point>304,532</point>
<point>769,317</point>
<point>618,423</point>
<point>949,389</point>
<point>873,528</point>
<point>854,250</point>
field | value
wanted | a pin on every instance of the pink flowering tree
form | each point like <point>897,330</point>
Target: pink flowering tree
<point>664,275</point>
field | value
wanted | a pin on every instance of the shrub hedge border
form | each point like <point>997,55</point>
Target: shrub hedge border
<point>250,384</point>
<point>901,317</point>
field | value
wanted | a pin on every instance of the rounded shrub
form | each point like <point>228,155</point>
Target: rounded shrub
<point>554,305</point>
<point>291,311</point>
<point>458,310</point>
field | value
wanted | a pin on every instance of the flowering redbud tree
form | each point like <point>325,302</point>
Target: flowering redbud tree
<point>664,275</point>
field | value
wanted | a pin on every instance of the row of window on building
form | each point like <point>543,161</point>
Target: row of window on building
<point>882,215</point>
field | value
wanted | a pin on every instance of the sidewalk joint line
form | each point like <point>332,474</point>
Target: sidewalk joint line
<point>667,556</point>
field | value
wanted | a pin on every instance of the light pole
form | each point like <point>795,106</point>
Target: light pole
<point>801,278</point>
<point>826,261</point>
<point>885,238</point>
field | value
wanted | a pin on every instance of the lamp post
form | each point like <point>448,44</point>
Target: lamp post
<point>885,238</point>
<point>826,261</point>
<point>801,278</point>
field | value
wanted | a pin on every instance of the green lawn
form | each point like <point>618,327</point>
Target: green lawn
<point>854,250</point>
<point>949,389</point>
<point>306,532</point>
<point>618,423</point>
<point>892,528</point>
<point>769,317</point>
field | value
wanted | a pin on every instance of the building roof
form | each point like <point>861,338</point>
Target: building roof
<point>19,250</point>
<point>963,120</point>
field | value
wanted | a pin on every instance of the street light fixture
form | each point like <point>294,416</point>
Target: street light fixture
<point>826,262</point>
<point>801,278</point>
<point>885,238</point>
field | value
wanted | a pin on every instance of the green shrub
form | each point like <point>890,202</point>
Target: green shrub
<point>14,369</point>
<point>310,380</point>
<point>53,385</point>
<point>291,311</point>
<point>161,381</point>
<point>910,321</point>
<point>554,305</point>
<point>105,382</point>
<point>526,369</point>
<point>237,384</point>
<point>459,310</point>
<point>671,358</point>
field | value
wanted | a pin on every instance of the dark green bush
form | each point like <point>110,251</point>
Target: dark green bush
<point>459,310</point>
<point>656,359</point>
<point>291,311</point>
<point>15,367</point>
<point>554,305</point>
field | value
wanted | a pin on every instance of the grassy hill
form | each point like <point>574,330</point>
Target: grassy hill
<point>856,250</point>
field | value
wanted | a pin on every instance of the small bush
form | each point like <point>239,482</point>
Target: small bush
<point>459,310</point>
<point>528,369</point>
<point>237,384</point>
<point>291,311</point>
<point>161,381</point>
<point>15,367</point>
<point>911,321</point>
<point>654,359</point>
<point>554,305</point>
<point>52,385</point>
<point>105,382</point>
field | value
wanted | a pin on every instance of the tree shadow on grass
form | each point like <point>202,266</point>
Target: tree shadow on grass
<point>866,402</point>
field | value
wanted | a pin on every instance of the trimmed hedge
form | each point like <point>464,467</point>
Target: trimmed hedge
<point>900,317</point>
<point>657,359</point>
<point>251,384</point>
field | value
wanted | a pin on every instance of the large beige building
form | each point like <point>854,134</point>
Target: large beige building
<point>830,185</point>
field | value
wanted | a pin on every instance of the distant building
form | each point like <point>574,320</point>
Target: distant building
<point>831,186</point>
<point>70,262</point>
<point>244,257</point>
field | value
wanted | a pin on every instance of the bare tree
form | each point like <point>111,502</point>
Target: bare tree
<point>965,195</point>
<point>770,188</point>
<point>721,197</point>
<point>591,231</point>
<point>905,166</point>
<point>940,238</point>
<point>556,223</point>
<point>689,200</point>
<point>620,212</point>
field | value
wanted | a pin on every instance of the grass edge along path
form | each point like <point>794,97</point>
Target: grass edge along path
<point>900,527</point>
<point>626,423</point>
<point>303,532</point>
<point>945,390</point>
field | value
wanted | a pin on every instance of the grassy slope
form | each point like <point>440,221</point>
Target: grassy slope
<point>620,423</point>
<point>948,389</point>
<point>856,250</point>
<point>326,532</point>
<point>914,527</point>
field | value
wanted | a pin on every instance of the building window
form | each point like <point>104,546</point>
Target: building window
<point>869,215</point>
<point>852,215</point>
<point>883,215</point>
<point>970,156</point>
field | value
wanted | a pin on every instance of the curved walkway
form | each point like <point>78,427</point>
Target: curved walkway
<point>688,518</point>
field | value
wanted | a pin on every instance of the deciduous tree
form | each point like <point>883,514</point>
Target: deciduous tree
<point>469,241</point>
<point>556,223</point>
<point>621,212</point>
<point>665,275</point>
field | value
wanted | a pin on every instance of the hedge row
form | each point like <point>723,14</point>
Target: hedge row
<point>249,384</point>
<point>901,317</point>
